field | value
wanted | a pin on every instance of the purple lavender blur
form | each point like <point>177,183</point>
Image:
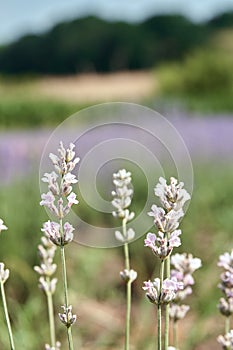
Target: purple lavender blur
<point>207,139</point>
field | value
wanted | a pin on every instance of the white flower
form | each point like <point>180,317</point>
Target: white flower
<point>2,226</point>
<point>226,261</point>
<point>4,273</point>
<point>185,263</point>
<point>130,234</point>
<point>72,199</point>
<point>128,275</point>
<point>226,341</point>
<point>178,312</point>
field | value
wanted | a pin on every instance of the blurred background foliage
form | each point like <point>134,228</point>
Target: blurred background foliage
<point>189,67</point>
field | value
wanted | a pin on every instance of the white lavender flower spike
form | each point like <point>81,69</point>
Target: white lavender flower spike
<point>122,195</point>
<point>59,200</point>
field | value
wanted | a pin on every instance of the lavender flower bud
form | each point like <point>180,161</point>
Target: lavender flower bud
<point>226,341</point>
<point>168,291</point>
<point>57,346</point>
<point>52,231</point>
<point>128,275</point>
<point>2,226</point>
<point>130,234</point>
<point>185,263</point>
<point>178,312</point>
<point>4,273</point>
<point>67,318</point>
<point>52,182</point>
<point>171,196</point>
<point>226,306</point>
<point>48,200</point>
<point>64,163</point>
<point>46,269</point>
<point>165,222</point>
<point>162,246</point>
<point>67,233</point>
<point>47,285</point>
<point>226,261</point>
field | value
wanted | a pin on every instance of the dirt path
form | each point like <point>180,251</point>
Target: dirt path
<point>124,86</point>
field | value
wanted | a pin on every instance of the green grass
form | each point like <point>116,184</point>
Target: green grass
<point>18,112</point>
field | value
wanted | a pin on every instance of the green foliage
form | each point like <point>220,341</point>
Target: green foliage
<point>202,72</point>
<point>204,80</point>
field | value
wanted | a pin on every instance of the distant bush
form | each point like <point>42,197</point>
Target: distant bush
<point>202,72</point>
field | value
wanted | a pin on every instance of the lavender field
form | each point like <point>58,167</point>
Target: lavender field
<point>208,139</point>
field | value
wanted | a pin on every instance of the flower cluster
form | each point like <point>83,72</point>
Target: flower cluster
<point>161,245</point>
<point>128,275</point>
<point>60,198</point>
<point>172,196</point>
<point>67,318</point>
<point>225,305</point>
<point>47,268</point>
<point>57,346</point>
<point>53,231</point>
<point>226,285</point>
<point>226,341</point>
<point>166,219</point>
<point>183,267</point>
<point>164,294</point>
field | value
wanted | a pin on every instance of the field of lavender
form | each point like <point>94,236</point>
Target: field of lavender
<point>96,291</point>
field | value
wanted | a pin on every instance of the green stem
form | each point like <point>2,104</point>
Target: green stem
<point>51,319</point>
<point>166,334</point>
<point>159,316</point>
<point>128,290</point>
<point>227,325</point>
<point>7,316</point>
<point>65,289</point>
<point>159,313</point>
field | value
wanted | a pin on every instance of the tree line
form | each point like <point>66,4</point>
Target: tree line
<point>93,45</point>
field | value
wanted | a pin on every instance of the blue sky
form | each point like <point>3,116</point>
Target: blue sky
<point>18,17</point>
